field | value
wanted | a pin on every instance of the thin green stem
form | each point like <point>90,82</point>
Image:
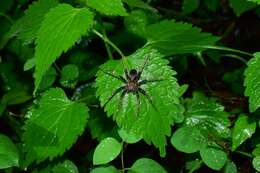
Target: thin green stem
<point>245,154</point>
<point>107,46</point>
<point>122,158</point>
<point>236,57</point>
<point>7,17</point>
<point>57,68</point>
<point>228,49</point>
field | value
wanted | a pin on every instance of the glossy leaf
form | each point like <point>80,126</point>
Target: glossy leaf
<point>108,7</point>
<point>109,169</point>
<point>244,128</point>
<point>65,167</point>
<point>106,151</point>
<point>57,121</point>
<point>9,156</point>
<point>128,137</point>
<point>145,165</point>
<point>27,26</point>
<point>252,82</point>
<point>188,139</point>
<point>69,76</point>
<point>171,37</point>
<point>61,28</point>
<point>213,157</point>
<point>230,167</point>
<point>166,101</point>
<point>256,163</point>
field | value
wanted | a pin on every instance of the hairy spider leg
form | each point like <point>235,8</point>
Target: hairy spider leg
<point>142,82</point>
<point>126,75</point>
<point>142,69</point>
<point>114,76</point>
<point>148,97</point>
<point>114,93</point>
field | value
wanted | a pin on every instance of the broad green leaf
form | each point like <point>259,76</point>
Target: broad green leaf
<point>108,7</point>
<point>241,6</point>
<point>129,137</point>
<point>256,163</point>
<point>61,28</point>
<point>244,128</point>
<point>16,96</point>
<point>109,169</point>
<point>26,27</point>
<point>190,5</point>
<point>69,76</point>
<point>57,121</point>
<point>230,167</point>
<point>9,155</point>
<point>145,165</point>
<point>152,124</point>
<point>139,4</point>
<point>213,157</point>
<point>207,114</point>
<point>171,37</point>
<point>106,151</point>
<point>65,167</point>
<point>252,82</point>
<point>256,1</point>
<point>256,151</point>
<point>188,140</point>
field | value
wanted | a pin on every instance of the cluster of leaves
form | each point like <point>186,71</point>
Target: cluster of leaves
<point>57,45</point>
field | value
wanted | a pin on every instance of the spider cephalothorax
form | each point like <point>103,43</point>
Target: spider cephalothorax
<point>132,85</point>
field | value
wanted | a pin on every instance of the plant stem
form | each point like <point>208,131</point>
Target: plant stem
<point>227,49</point>
<point>7,17</point>
<point>236,57</point>
<point>245,154</point>
<point>107,46</point>
<point>122,158</point>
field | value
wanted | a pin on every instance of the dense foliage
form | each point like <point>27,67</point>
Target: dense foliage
<point>138,86</point>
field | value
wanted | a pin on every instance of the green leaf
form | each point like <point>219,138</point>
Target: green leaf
<point>69,76</point>
<point>230,167</point>
<point>252,78</point>
<point>9,156</point>
<point>108,7</point>
<point>207,114</point>
<point>171,37</point>
<point>213,157</point>
<point>190,5</point>
<point>29,64</point>
<point>256,1</point>
<point>5,5</point>
<point>57,121</point>
<point>188,139</point>
<point>212,5</point>
<point>65,167</point>
<point>129,137</point>
<point>109,169</point>
<point>244,128</point>
<point>48,79</point>
<point>145,165</point>
<point>26,27</point>
<point>241,6</point>
<point>139,4</point>
<point>61,28</point>
<point>193,165</point>
<point>256,163</point>
<point>106,151</point>
<point>153,125</point>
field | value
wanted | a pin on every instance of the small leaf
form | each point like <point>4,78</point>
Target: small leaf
<point>208,115</point>
<point>57,121</point>
<point>28,25</point>
<point>65,167</point>
<point>193,165</point>
<point>61,28</point>
<point>153,125</point>
<point>139,4</point>
<point>252,82</point>
<point>171,37</point>
<point>48,79</point>
<point>244,128</point>
<point>109,169</point>
<point>9,156</point>
<point>145,165</point>
<point>108,7</point>
<point>241,6</point>
<point>190,5</point>
<point>230,167</point>
<point>106,151</point>
<point>213,157</point>
<point>29,64</point>
<point>256,163</point>
<point>69,76</point>
<point>188,140</point>
<point>129,137</point>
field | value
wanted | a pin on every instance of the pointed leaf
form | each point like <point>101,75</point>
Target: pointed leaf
<point>109,169</point>
<point>61,28</point>
<point>106,151</point>
<point>145,165</point>
<point>57,121</point>
<point>171,37</point>
<point>213,157</point>
<point>108,7</point>
<point>252,82</point>
<point>152,124</point>
<point>244,128</point>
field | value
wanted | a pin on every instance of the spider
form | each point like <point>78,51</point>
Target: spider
<point>132,84</point>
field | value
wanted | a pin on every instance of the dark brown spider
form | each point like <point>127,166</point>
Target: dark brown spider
<point>132,85</point>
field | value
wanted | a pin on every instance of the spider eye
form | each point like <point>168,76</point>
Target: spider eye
<point>133,72</point>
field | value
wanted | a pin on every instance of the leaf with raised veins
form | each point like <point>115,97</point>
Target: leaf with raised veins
<point>152,124</point>
<point>53,126</point>
<point>61,28</point>
<point>252,82</point>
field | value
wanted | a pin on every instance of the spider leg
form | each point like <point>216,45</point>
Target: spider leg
<point>142,69</point>
<point>126,74</point>
<point>148,97</point>
<point>114,76</point>
<point>114,93</point>
<point>142,82</point>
